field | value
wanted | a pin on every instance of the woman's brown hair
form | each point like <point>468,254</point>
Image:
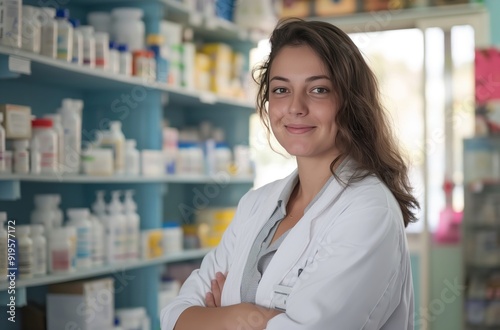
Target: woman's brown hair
<point>364,133</point>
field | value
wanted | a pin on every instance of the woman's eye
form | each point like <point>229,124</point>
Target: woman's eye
<point>320,90</point>
<point>279,90</point>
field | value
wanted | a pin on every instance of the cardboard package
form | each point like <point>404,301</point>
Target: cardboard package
<point>85,305</point>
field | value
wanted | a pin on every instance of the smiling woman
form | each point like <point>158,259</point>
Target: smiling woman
<point>325,247</point>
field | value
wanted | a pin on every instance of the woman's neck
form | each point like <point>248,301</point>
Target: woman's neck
<point>313,174</point>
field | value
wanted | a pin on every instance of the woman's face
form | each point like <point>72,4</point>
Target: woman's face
<point>302,104</point>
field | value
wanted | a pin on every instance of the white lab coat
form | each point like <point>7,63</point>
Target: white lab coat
<point>351,254</point>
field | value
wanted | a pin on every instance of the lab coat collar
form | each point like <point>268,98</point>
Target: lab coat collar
<point>292,247</point>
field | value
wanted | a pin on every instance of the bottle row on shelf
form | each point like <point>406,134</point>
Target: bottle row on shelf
<point>53,145</point>
<point>116,42</point>
<point>109,235</point>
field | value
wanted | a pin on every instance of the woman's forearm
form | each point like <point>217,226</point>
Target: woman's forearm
<point>240,316</point>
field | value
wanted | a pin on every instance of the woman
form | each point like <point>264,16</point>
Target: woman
<point>324,248</point>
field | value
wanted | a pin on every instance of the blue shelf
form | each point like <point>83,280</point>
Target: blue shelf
<point>107,269</point>
<point>66,178</point>
<point>35,68</point>
<point>211,28</point>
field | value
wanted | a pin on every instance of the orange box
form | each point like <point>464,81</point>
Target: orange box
<point>335,7</point>
<point>296,8</point>
<point>450,2</point>
<point>374,5</point>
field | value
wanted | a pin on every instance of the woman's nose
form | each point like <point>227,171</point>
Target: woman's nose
<point>297,106</point>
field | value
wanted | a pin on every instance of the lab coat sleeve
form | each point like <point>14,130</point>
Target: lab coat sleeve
<point>354,281</point>
<point>197,285</point>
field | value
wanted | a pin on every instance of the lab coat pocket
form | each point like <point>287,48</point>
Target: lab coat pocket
<point>280,296</point>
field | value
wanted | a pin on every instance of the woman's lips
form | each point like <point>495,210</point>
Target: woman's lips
<point>299,129</point>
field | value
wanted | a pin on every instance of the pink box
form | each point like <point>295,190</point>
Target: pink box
<point>487,75</point>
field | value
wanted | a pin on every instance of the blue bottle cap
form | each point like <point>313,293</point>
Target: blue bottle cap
<point>123,48</point>
<point>75,22</point>
<point>113,45</point>
<point>62,13</point>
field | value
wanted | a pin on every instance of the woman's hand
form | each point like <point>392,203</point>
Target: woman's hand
<point>213,298</point>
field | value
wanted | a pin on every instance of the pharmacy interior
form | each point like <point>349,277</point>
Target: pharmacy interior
<point>129,135</point>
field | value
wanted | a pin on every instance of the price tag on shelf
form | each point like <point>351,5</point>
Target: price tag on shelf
<point>19,65</point>
<point>208,98</point>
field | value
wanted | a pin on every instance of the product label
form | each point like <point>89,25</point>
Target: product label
<point>60,260</point>
<point>10,23</point>
<point>25,259</point>
<point>83,243</point>
<point>19,123</point>
<point>64,42</point>
<point>40,263</point>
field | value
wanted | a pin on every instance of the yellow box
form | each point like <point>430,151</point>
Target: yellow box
<point>296,8</point>
<point>202,72</point>
<point>151,243</point>
<point>334,7</point>
<point>220,69</point>
<point>16,121</point>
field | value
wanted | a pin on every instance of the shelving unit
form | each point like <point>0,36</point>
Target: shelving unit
<point>41,83</point>
<point>82,179</point>
<point>481,232</point>
<point>106,269</point>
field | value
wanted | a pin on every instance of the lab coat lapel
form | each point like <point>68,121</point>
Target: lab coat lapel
<point>249,232</point>
<point>299,238</point>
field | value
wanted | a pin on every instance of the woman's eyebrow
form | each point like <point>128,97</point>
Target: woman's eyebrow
<point>308,79</point>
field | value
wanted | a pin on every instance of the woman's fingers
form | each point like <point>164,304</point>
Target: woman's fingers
<point>213,298</point>
<point>217,292</point>
<point>209,300</point>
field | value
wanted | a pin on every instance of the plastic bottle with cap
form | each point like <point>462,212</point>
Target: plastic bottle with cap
<point>3,247</point>
<point>77,54</point>
<point>72,125</point>
<point>79,218</point>
<point>43,213</point>
<point>39,250</point>
<point>64,35</point>
<point>98,220</point>
<point>55,201</point>
<point>21,156</point>
<point>132,158</point>
<point>132,225</point>
<point>101,50</point>
<point>46,139</point>
<point>114,58</point>
<point>58,128</point>
<point>48,32</point>
<point>115,229</point>
<point>125,60</point>
<point>31,29</point>
<point>115,140</point>
<point>61,250</point>
<point>88,45</point>
<point>25,251</point>
<point>2,145</point>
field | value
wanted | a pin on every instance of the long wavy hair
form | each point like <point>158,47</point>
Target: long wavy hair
<point>364,133</point>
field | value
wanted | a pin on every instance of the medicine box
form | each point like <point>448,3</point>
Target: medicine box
<point>335,7</point>
<point>375,5</point>
<point>296,8</point>
<point>84,305</point>
<point>220,67</point>
<point>10,23</point>
<point>16,121</point>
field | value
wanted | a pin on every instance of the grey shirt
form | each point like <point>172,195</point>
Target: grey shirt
<point>262,252</point>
